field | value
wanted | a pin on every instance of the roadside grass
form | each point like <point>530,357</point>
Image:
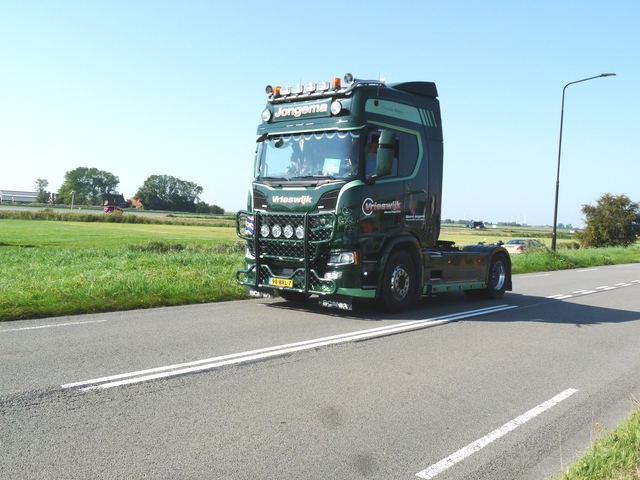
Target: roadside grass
<point>544,260</point>
<point>614,456</point>
<point>44,282</point>
<point>53,268</point>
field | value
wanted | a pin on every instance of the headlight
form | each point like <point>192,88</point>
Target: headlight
<point>336,107</point>
<point>266,115</point>
<point>288,231</point>
<point>264,230</point>
<point>276,230</point>
<point>343,258</point>
<point>299,232</point>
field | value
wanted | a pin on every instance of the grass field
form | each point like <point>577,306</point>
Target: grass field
<point>63,267</point>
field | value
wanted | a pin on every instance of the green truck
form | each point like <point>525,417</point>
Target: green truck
<point>346,200</point>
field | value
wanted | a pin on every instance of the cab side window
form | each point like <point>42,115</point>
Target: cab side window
<point>408,153</point>
<point>405,153</point>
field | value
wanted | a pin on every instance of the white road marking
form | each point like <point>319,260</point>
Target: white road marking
<point>49,326</point>
<point>535,276</point>
<point>472,448</point>
<point>249,356</point>
<point>603,288</point>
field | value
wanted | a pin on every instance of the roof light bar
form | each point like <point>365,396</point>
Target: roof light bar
<point>312,88</point>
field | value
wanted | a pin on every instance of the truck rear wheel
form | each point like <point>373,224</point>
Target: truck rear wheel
<point>398,282</point>
<point>498,276</point>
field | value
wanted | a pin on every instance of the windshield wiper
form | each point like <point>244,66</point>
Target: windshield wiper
<point>324,177</point>
<point>275,179</point>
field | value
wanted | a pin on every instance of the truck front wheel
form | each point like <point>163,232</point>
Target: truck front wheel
<point>498,276</point>
<point>398,282</point>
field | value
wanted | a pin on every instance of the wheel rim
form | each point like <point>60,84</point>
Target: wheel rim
<point>400,282</point>
<point>498,275</point>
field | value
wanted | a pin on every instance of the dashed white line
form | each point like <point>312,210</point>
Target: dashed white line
<point>470,449</point>
<point>3,330</point>
<point>603,288</point>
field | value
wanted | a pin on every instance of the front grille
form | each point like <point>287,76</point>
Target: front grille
<point>266,235</point>
<point>285,236</point>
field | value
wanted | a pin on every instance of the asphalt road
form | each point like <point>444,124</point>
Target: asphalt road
<point>453,388</point>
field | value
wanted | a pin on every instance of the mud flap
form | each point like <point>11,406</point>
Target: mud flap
<point>260,292</point>
<point>339,302</point>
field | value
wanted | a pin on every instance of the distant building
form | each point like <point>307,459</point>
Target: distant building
<point>15,196</point>
<point>115,199</point>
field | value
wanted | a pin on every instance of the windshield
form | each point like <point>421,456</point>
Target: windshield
<point>328,155</point>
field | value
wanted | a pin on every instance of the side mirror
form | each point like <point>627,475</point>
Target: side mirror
<point>384,162</point>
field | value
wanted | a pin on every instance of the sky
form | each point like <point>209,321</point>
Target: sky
<point>140,88</point>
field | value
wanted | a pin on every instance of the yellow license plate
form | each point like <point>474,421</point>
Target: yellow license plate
<point>281,282</point>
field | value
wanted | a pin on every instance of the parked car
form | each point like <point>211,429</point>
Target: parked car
<point>519,245</point>
<point>112,208</point>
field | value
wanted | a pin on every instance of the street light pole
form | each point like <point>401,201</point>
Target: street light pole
<point>72,195</point>
<point>555,209</point>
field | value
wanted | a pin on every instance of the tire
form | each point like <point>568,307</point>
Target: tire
<point>293,296</point>
<point>498,277</point>
<point>398,282</point>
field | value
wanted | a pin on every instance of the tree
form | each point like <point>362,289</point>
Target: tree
<point>164,192</point>
<point>204,207</point>
<point>41,187</point>
<point>614,221</point>
<point>86,186</point>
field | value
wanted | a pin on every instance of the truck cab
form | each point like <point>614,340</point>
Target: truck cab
<point>346,199</point>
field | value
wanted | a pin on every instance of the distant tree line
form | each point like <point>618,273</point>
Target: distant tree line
<point>90,186</point>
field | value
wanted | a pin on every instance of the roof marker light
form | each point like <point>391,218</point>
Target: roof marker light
<point>285,90</point>
<point>309,87</point>
<point>336,84</point>
<point>296,89</point>
<point>323,86</point>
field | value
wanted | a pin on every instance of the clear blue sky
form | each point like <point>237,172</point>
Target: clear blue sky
<point>141,88</point>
